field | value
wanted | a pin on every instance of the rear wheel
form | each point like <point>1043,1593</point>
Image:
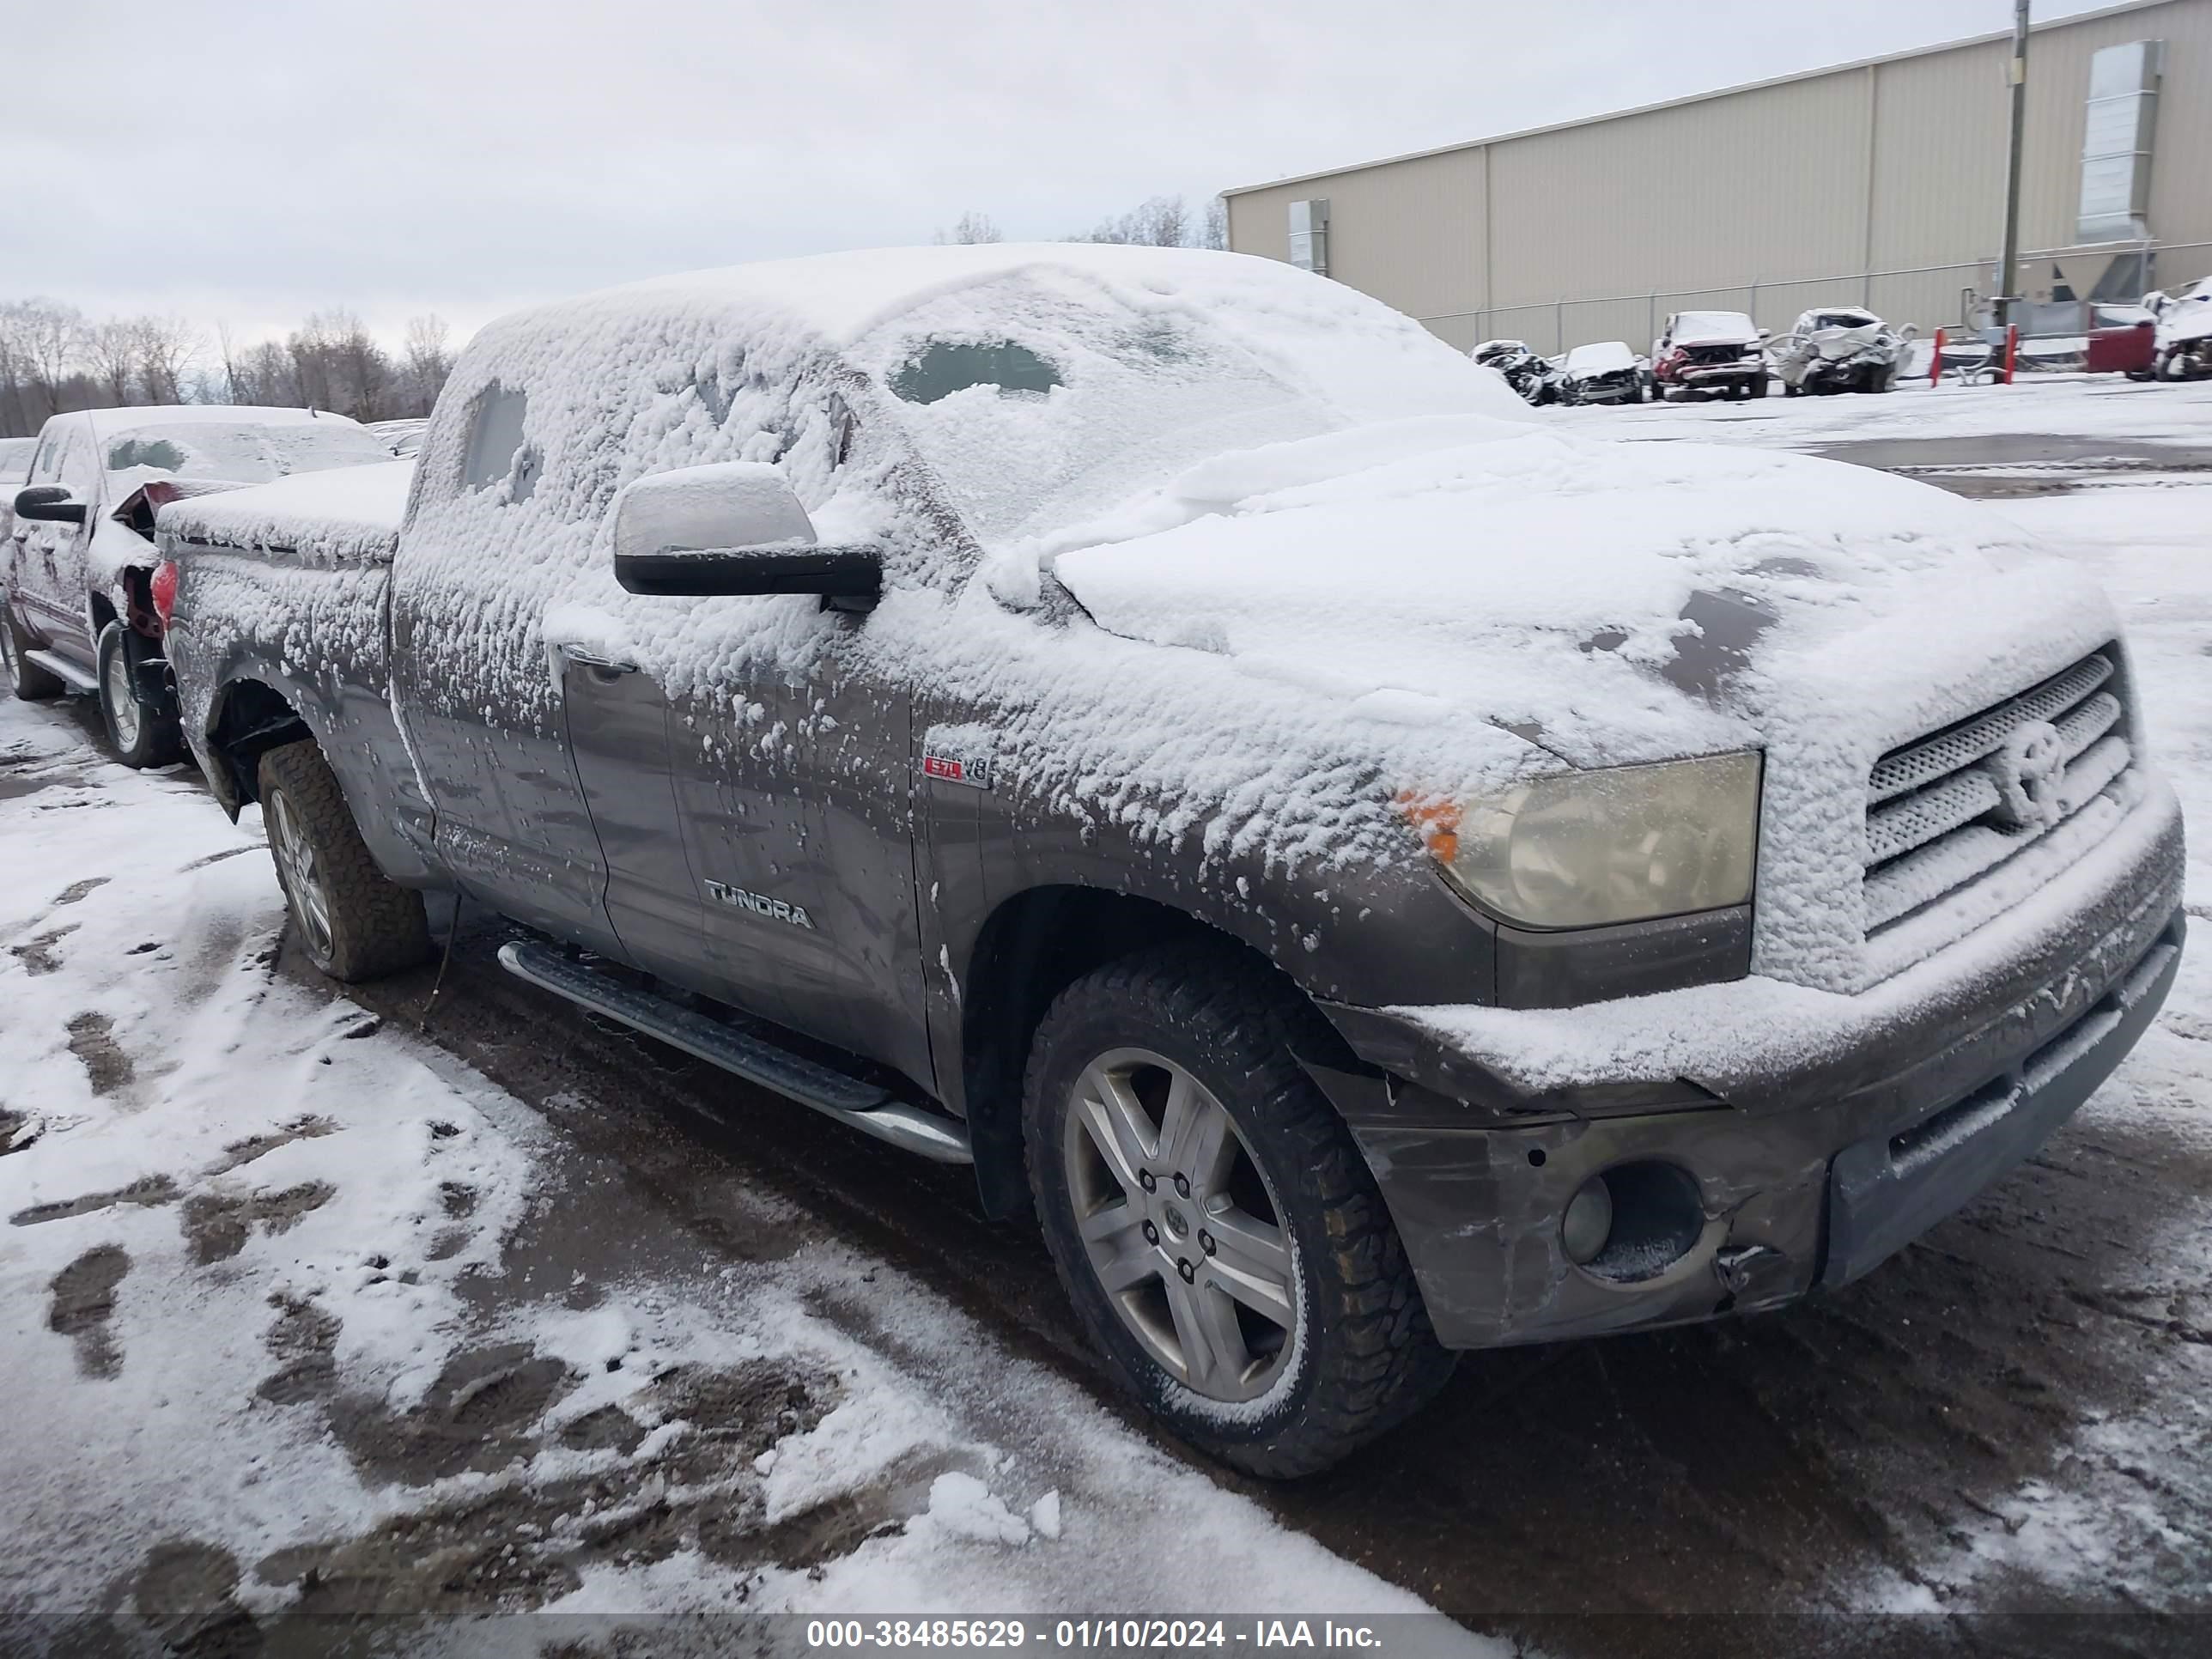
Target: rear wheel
<point>29,682</point>
<point>142,733</point>
<point>354,921</point>
<point>1215,1226</point>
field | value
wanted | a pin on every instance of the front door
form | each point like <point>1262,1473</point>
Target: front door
<point>797,800</point>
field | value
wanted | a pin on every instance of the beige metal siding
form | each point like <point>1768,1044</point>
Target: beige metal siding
<point>1409,233</point>
<point>1576,211</point>
<point>1882,167</point>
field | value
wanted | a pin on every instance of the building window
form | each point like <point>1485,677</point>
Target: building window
<point>2116,143</point>
<point>1309,236</point>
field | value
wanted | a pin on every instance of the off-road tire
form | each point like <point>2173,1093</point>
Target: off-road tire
<point>156,737</point>
<point>1755,388</point>
<point>1370,1358</point>
<point>376,926</point>
<point>29,682</point>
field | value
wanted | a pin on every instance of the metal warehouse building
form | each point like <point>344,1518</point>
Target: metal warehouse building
<point>1878,183</point>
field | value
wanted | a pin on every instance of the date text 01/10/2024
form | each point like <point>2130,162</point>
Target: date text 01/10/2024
<point>1087,1633</point>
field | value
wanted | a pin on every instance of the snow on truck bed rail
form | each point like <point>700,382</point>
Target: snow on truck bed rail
<point>348,515</point>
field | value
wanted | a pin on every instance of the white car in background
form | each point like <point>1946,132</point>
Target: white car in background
<point>16,463</point>
<point>78,607</point>
<point>2184,346</point>
<point>1606,372</point>
<point>1839,349</point>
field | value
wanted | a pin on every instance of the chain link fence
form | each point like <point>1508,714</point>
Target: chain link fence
<point>1933,297</point>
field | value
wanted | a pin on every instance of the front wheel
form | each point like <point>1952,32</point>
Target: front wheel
<point>355,922</point>
<point>1215,1226</point>
<point>141,733</point>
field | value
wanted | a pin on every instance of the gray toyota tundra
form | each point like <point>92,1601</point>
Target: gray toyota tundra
<point>1376,875</point>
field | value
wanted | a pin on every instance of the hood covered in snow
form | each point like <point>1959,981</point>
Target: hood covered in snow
<point>1610,601</point>
<point>1438,586</point>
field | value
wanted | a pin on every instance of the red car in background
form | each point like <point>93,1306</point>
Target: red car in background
<point>1711,353</point>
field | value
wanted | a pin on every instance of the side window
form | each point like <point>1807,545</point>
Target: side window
<point>47,465</point>
<point>80,466</point>
<point>497,450</point>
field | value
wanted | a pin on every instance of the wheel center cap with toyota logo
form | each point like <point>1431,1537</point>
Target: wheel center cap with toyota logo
<point>2030,770</point>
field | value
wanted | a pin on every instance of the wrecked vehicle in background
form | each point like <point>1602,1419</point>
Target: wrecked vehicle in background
<point>1372,874</point>
<point>78,608</point>
<point>1605,373</point>
<point>1839,349</point>
<point>1537,380</point>
<point>2183,344</point>
<point>1711,354</point>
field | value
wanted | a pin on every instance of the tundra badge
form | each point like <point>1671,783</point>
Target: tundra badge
<point>760,904</point>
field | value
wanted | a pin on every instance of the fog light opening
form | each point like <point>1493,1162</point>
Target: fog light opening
<point>1587,1223</point>
<point>1653,1220</point>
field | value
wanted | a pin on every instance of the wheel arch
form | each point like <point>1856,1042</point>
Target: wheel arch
<point>1031,947</point>
<point>249,718</point>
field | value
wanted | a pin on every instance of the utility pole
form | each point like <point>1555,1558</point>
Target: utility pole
<point>2016,73</point>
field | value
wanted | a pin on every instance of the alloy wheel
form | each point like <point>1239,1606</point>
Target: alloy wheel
<point>122,698</point>
<point>1180,1225</point>
<point>302,878</point>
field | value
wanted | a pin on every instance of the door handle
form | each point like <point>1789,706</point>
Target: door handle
<point>602,666</point>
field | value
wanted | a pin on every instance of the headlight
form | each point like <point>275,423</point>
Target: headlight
<point>1627,843</point>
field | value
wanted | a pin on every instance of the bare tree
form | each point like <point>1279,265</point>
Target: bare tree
<point>1214,232</point>
<point>971,226</point>
<point>227,349</point>
<point>112,348</point>
<point>1157,222</point>
<point>49,339</point>
<point>167,346</point>
<point>429,362</point>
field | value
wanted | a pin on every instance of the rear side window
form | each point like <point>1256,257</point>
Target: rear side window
<point>145,451</point>
<point>942,367</point>
<point>496,443</point>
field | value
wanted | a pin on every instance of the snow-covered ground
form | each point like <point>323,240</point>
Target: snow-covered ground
<point>299,1314</point>
<point>2069,405</point>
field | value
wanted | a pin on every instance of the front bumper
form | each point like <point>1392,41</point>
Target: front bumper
<point>1718,374</point>
<point>1802,1174</point>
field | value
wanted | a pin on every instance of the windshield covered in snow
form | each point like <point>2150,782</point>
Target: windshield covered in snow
<point>1041,401</point>
<point>241,453</point>
<point>1843,319</point>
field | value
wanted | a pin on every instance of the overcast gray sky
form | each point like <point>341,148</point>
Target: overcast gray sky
<point>248,160</point>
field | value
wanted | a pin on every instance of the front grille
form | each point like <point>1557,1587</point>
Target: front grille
<point>1945,811</point>
<point>1708,355</point>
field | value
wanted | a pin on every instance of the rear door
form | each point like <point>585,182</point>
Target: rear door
<point>479,692</point>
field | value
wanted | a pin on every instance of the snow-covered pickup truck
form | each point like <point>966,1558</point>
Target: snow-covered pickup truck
<point>1379,876</point>
<point>77,609</point>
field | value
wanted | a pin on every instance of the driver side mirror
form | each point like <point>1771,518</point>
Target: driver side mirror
<point>733,528</point>
<point>50,502</point>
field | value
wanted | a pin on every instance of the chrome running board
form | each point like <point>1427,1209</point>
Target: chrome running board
<point>863,1106</point>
